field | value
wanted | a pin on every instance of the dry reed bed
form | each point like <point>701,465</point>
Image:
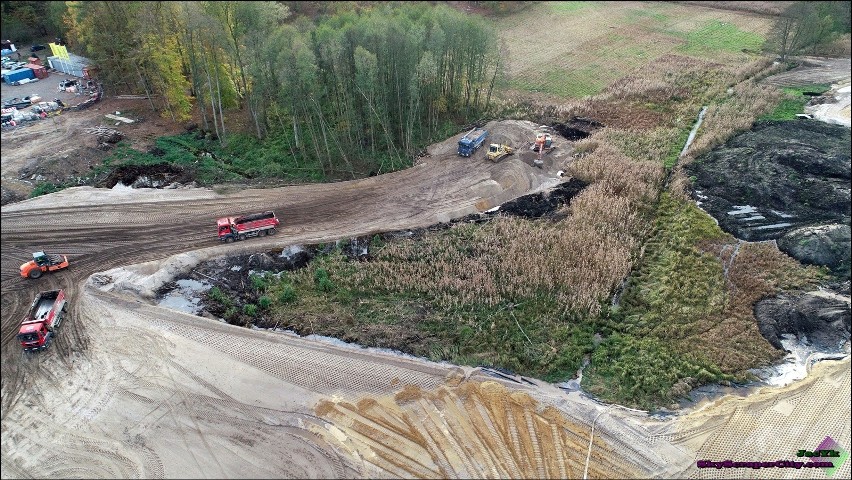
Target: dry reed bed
<point>730,338</point>
<point>581,258</point>
<point>700,320</point>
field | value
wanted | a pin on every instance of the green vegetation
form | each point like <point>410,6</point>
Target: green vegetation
<point>685,317</point>
<point>576,83</point>
<point>675,291</point>
<point>532,335</point>
<point>644,371</point>
<point>809,27</point>
<point>720,36</point>
<point>793,102</point>
<point>259,282</point>
<point>287,294</point>
<point>47,187</point>
<point>264,302</point>
<point>354,92</point>
<point>322,281</point>
<point>569,7</point>
<point>210,163</point>
<point>30,21</point>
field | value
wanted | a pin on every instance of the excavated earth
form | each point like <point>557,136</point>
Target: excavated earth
<point>775,178</point>
<point>789,181</point>
<point>133,390</point>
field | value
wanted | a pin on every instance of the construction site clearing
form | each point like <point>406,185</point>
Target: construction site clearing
<point>170,394</point>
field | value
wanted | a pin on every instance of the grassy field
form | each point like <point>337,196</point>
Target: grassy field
<point>794,102</point>
<point>572,49</point>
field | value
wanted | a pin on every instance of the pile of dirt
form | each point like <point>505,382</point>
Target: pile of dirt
<point>827,245</point>
<point>540,204</point>
<point>819,318</point>
<point>147,176</point>
<point>779,176</point>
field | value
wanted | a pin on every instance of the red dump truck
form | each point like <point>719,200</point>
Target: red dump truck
<point>240,228</point>
<point>39,325</point>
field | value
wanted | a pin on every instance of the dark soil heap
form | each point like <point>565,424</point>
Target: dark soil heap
<point>792,174</point>
<point>138,176</point>
<point>541,204</point>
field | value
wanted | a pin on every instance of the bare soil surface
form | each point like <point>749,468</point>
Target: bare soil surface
<point>813,71</point>
<point>58,149</point>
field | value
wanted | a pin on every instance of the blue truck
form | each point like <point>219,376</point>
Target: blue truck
<point>18,75</point>
<point>470,142</point>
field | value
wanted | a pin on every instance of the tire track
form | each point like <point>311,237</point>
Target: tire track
<point>95,367</point>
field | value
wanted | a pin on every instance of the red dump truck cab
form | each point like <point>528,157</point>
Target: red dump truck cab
<point>240,228</point>
<point>40,323</point>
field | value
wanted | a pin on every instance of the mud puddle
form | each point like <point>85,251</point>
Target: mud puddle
<point>184,295</point>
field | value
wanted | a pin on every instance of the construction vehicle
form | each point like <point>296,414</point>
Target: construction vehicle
<point>43,262</point>
<point>472,141</point>
<point>543,143</point>
<point>240,228</point>
<point>498,151</point>
<point>39,325</point>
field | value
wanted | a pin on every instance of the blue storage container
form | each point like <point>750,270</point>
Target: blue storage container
<point>19,74</point>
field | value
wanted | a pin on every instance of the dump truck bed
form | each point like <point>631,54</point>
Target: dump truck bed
<point>43,307</point>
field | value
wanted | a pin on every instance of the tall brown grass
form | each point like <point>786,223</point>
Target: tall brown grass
<point>731,339</point>
<point>747,101</point>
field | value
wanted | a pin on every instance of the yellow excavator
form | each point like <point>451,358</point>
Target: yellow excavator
<point>497,151</point>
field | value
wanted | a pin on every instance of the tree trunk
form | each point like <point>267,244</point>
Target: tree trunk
<point>212,102</point>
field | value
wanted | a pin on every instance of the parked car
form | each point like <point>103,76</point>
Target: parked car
<point>25,81</point>
<point>17,103</point>
<point>36,48</point>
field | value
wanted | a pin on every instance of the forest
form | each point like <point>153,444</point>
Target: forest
<point>354,92</point>
<point>331,89</point>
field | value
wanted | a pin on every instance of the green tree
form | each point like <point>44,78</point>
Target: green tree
<point>804,26</point>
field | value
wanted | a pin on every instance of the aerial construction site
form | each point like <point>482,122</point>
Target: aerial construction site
<point>572,287</point>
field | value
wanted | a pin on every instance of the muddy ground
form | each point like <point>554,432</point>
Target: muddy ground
<point>775,178</point>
